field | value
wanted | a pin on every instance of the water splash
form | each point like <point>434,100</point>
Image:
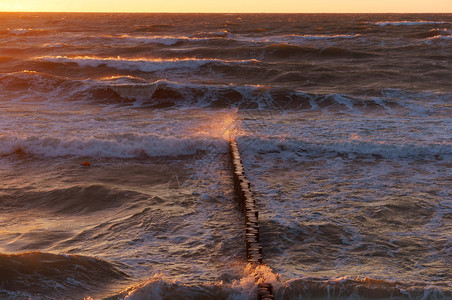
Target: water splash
<point>223,125</point>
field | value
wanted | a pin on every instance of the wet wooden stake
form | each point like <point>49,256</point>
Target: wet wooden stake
<point>246,202</point>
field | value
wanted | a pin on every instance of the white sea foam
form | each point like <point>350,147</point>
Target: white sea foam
<point>26,31</point>
<point>440,37</point>
<point>75,133</point>
<point>293,149</point>
<point>407,23</point>
<point>163,40</point>
<point>290,38</point>
<point>196,94</point>
<point>19,31</point>
<point>143,64</point>
<point>216,34</point>
<point>108,131</point>
<point>159,286</point>
<point>294,38</point>
<point>121,146</point>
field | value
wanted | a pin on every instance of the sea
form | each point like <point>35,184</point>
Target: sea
<point>116,181</point>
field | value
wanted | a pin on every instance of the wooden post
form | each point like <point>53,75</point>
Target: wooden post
<point>247,204</point>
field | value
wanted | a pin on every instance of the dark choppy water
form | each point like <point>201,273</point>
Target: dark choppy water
<point>343,121</point>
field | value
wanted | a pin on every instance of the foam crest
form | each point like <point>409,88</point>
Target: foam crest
<point>408,23</point>
<point>45,86</point>
<point>144,64</point>
<point>353,147</point>
<point>163,40</point>
<point>161,287</point>
<point>215,34</point>
<point>254,275</point>
<point>26,31</point>
<point>167,93</point>
<point>120,145</point>
<point>440,37</point>
<point>224,125</point>
<point>244,96</point>
<point>295,38</point>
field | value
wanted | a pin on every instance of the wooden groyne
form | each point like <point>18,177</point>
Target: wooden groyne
<point>247,203</point>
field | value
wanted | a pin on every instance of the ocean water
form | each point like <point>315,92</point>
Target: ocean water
<point>343,122</point>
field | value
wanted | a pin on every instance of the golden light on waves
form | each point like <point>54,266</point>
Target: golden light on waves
<point>224,125</point>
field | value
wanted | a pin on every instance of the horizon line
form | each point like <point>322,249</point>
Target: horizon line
<point>214,12</point>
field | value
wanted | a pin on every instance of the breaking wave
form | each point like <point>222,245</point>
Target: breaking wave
<point>437,32</point>
<point>136,91</point>
<point>24,32</point>
<point>164,40</point>
<point>37,274</point>
<point>296,38</point>
<point>224,35</point>
<point>46,275</point>
<point>144,65</point>
<point>353,147</point>
<point>71,200</point>
<point>128,145</point>
<point>408,23</point>
<point>118,145</point>
<point>159,287</point>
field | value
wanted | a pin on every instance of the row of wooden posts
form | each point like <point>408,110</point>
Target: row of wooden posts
<point>247,203</point>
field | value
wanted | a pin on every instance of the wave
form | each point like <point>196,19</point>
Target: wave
<point>224,34</point>
<point>153,28</point>
<point>37,274</point>
<point>168,93</point>
<point>45,275</point>
<point>39,82</point>
<point>215,34</point>
<point>366,288</point>
<point>139,145</point>
<point>136,91</point>
<point>409,23</point>
<point>73,200</point>
<point>433,33</point>
<point>55,45</point>
<point>159,287</point>
<point>278,51</point>
<point>163,93</point>
<point>440,37</point>
<point>282,51</point>
<point>221,37</point>
<point>117,145</point>
<point>352,147</point>
<point>163,40</point>
<point>295,38</point>
<point>144,65</point>
<point>48,87</point>
<point>125,40</point>
<point>24,32</point>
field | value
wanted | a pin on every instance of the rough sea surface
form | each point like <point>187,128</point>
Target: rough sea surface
<point>344,123</point>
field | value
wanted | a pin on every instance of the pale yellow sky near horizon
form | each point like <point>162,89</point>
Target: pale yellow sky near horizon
<point>229,6</point>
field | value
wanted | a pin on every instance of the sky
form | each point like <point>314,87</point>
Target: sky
<point>229,6</point>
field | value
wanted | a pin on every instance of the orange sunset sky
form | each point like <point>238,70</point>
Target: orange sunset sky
<point>290,6</point>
